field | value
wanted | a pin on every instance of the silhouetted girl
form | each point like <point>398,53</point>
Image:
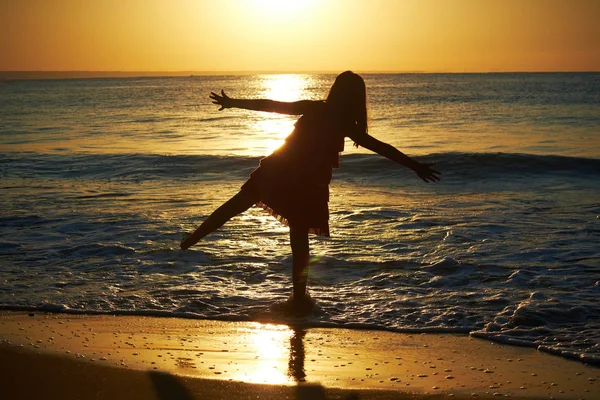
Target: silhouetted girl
<point>292,184</point>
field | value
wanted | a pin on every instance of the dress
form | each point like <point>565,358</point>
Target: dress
<point>292,183</point>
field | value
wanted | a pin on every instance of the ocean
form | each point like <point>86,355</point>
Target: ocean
<point>101,177</point>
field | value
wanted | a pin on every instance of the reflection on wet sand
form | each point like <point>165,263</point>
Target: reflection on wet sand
<point>297,354</point>
<point>271,346</point>
<point>267,344</point>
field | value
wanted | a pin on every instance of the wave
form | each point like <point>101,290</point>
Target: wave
<point>257,314</point>
<point>212,167</point>
<point>484,164</point>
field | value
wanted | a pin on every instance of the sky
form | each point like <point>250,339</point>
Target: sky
<point>300,35</point>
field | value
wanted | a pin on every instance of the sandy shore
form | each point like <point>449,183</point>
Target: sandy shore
<point>76,356</point>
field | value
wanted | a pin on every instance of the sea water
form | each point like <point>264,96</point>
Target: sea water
<point>100,178</point>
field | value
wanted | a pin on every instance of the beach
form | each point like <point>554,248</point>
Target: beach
<point>104,356</point>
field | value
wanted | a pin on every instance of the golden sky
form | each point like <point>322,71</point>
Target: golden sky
<point>300,35</point>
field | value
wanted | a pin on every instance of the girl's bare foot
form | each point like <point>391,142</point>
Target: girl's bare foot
<point>301,305</point>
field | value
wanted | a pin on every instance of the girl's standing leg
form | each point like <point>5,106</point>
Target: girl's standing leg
<point>234,206</point>
<point>300,260</point>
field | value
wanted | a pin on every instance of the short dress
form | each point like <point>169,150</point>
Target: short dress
<point>292,183</point>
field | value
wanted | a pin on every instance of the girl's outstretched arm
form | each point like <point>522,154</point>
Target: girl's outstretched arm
<point>424,170</point>
<point>281,107</point>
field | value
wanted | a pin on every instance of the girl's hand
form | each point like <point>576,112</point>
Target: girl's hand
<point>426,172</point>
<point>223,100</point>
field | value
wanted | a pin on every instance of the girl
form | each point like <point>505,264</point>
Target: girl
<point>292,184</point>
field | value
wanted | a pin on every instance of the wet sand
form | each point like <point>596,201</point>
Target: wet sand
<point>100,356</point>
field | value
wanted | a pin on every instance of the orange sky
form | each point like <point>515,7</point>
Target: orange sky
<point>300,35</point>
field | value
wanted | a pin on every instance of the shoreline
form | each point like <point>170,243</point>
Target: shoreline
<point>511,342</point>
<point>206,354</point>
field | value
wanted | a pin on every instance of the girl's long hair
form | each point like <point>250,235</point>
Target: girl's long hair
<point>348,99</point>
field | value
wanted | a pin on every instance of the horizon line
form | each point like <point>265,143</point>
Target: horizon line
<point>74,74</point>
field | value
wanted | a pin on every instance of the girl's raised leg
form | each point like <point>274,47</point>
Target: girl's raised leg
<point>234,206</point>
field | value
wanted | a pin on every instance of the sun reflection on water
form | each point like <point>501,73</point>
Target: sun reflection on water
<point>284,87</point>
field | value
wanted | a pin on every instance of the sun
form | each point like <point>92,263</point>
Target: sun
<point>279,8</point>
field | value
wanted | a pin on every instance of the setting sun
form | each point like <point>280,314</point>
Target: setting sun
<point>280,9</point>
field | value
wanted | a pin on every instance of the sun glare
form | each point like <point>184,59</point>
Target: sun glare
<point>279,8</point>
<point>285,87</point>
